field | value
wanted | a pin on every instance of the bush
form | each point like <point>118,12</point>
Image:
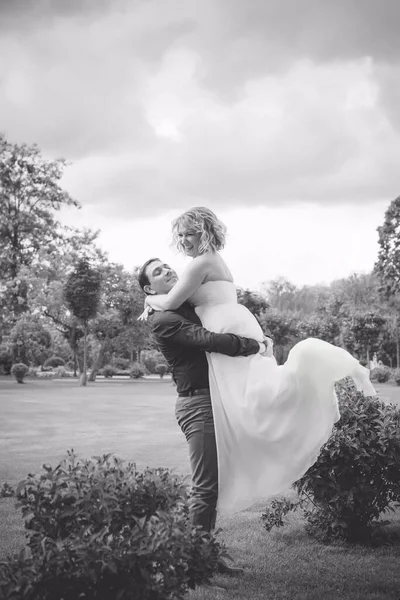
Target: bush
<point>108,371</point>
<point>357,475</point>
<point>62,372</point>
<point>137,371</point>
<point>381,374</point>
<point>19,370</point>
<point>32,372</point>
<point>5,360</point>
<point>100,530</point>
<point>397,376</point>
<point>161,369</point>
<point>121,364</point>
<point>53,362</point>
<point>150,359</point>
<point>45,374</point>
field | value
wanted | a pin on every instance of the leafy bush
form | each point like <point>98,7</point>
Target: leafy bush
<point>100,530</point>
<point>62,372</point>
<point>7,490</point>
<point>381,374</point>
<point>5,360</point>
<point>137,371</point>
<point>121,364</point>
<point>397,376</point>
<point>150,359</point>
<point>45,374</point>
<point>19,370</point>
<point>357,475</point>
<point>108,371</point>
<point>161,369</point>
<point>53,362</point>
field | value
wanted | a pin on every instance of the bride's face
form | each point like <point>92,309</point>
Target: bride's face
<point>190,241</point>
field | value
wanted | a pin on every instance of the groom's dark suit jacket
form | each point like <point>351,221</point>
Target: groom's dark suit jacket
<point>183,342</point>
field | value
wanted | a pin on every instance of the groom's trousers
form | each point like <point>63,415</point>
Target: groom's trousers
<point>195,418</point>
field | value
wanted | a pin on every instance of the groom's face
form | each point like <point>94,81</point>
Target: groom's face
<point>161,277</point>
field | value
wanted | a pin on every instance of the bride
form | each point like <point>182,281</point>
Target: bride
<point>270,421</point>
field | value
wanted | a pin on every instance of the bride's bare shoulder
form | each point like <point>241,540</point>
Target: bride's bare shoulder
<point>213,266</point>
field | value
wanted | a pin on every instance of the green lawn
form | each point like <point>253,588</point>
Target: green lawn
<point>135,420</point>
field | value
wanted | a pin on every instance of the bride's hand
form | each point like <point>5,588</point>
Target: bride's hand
<point>145,314</point>
<point>146,311</point>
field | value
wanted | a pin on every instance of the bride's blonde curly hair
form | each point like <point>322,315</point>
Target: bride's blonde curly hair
<point>201,220</point>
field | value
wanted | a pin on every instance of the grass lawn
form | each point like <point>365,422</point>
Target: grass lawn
<point>41,420</point>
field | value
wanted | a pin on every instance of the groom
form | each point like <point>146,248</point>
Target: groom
<point>183,342</point>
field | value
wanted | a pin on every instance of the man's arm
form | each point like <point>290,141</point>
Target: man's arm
<point>174,328</point>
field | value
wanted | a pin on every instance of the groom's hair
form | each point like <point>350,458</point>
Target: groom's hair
<point>142,276</point>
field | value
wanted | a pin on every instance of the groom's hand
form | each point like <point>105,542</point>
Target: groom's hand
<point>268,349</point>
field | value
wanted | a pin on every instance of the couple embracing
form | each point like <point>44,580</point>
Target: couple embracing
<point>253,427</point>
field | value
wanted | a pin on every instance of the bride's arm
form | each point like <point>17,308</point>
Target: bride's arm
<point>191,279</point>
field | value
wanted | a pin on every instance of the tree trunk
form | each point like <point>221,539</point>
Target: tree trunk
<point>98,361</point>
<point>397,348</point>
<point>84,375</point>
<point>75,362</point>
<point>132,354</point>
<point>368,357</point>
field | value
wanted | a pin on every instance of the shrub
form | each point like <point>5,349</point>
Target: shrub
<point>7,490</point>
<point>121,364</point>
<point>62,372</point>
<point>100,530</point>
<point>357,475</point>
<point>53,362</point>
<point>137,371</point>
<point>161,369</point>
<point>32,372</point>
<point>5,360</point>
<point>150,359</point>
<point>108,371</point>
<point>397,376</point>
<point>381,374</point>
<point>19,370</point>
<point>45,374</point>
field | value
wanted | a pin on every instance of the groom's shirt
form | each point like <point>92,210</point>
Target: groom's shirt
<point>183,342</point>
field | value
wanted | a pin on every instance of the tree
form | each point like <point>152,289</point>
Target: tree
<point>280,293</point>
<point>30,341</point>
<point>82,294</point>
<point>323,327</point>
<point>46,281</point>
<point>253,301</point>
<point>29,195</point>
<point>388,264</point>
<point>387,267</point>
<point>282,328</point>
<point>367,331</point>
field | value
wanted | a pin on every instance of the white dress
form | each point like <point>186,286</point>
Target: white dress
<point>270,421</point>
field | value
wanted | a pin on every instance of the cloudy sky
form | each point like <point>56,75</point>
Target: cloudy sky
<point>283,116</point>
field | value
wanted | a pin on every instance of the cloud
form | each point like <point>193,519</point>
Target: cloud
<point>225,103</point>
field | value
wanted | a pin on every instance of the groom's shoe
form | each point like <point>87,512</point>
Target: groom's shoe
<point>224,568</point>
<point>213,587</point>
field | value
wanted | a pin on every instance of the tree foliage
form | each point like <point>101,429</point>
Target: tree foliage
<point>388,264</point>
<point>82,294</point>
<point>82,291</point>
<point>30,194</point>
<point>255,302</point>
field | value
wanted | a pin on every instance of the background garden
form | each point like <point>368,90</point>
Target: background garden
<point>67,313</point>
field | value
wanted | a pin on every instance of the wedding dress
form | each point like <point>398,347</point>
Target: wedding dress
<point>270,421</point>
